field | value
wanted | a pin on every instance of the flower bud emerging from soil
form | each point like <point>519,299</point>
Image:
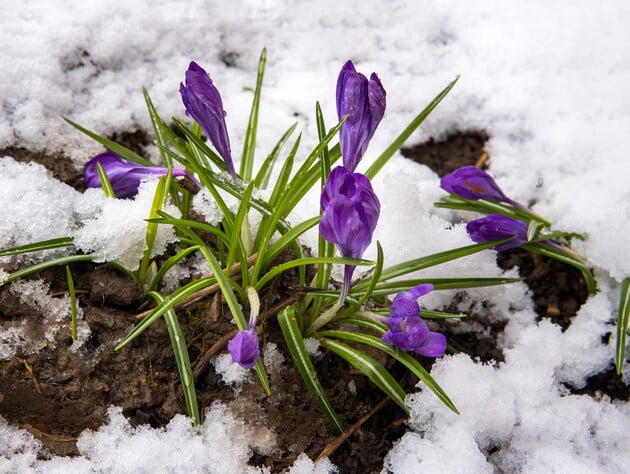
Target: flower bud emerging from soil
<point>364,103</point>
<point>407,330</point>
<point>203,103</point>
<point>125,176</point>
<point>498,227</point>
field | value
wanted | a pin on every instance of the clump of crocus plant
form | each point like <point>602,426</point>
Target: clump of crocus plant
<point>350,211</point>
<point>203,103</point>
<point>363,101</point>
<point>407,330</point>
<point>470,182</point>
<point>498,227</point>
<point>125,176</point>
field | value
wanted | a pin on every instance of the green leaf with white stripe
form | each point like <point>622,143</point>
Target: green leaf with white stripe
<point>287,318</point>
<point>375,371</point>
<point>403,357</point>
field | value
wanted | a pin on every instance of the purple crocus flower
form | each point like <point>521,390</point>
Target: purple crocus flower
<point>203,103</point>
<point>244,346</point>
<point>470,182</point>
<point>350,211</point>
<point>364,103</point>
<point>125,176</point>
<point>407,330</point>
<point>498,227</point>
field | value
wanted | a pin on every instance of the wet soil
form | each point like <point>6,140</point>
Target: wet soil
<point>57,393</point>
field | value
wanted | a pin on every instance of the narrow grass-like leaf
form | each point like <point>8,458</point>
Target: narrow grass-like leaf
<point>237,242</point>
<point>376,275</point>
<point>388,288</point>
<point>374,370</point>
<point>163,134</point>
<point>159,199</point>
<point>235,308</point>
<point>490,207</point>
<point>182,224</point>
<point>403,357</point>
<point>180,350</point>
<point>623,316</point>
<point>264,173</point>
<point>324,248</point>
<point>287,238</point>
<point>287,320</point>
<point>44,265</point>
<point>38,246</point>
<point>170,262</point>
<point>429,261</point>
<point>566,257</point>
<point>269,224</point>
<point>199,145</point>
<point>111,145</point>
<point>108,190</point>
<point>169,303</point>
<point>406,133</point>
<point>304,262</point>
<point>249,145</point>
<point>73,303</point>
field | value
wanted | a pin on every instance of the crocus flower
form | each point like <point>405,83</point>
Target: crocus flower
<point>498,227</point>
<point>407,330</point>
<point>364,103</point>
<point>125,176</point>
<point>244,346</point>
<point>350,211</point>
<point>203,103</point>
<point>470,182</point>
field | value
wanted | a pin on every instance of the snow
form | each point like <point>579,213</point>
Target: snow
<point>548,82</point>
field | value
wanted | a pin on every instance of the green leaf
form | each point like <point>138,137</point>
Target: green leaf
<point>169,303</point>
<point>163,135</point>
<point>403,357</point>
<point>201,148</point>
<point>73,303</point>
<point>414,265</point>
<point>235,308</point>
<point>375,371</point>
<point>173,260</point>
<point>180,350</point>
<point>247,159</point>
<point>406,133</point>
<point>237,242</point>
<point>378,269</point>
<point>288,238</point>
<point>44,265</point>
<point>623,316</point>
<point>108,190</point>
<point>288,324</point>
<point>38,246</point>
<point>566,256</point>
<point>303,262</point>
<point>264,173</point>
<point>111,145</point>
<point>388,288</point>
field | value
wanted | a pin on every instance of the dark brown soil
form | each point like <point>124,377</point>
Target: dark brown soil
<point>56,394</point>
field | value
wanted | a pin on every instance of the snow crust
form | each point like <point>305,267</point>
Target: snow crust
<point>547,82</point>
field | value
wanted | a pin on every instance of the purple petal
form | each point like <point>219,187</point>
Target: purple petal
<point>404,305</point>
<point>470,182</point>
<point>244,348</point>
<point>498,227</point>
<point>364,103</point>
<point>203,103</point>
<point>125,176</point>
<point>421,290</point>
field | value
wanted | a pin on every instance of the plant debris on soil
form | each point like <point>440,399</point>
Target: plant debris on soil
<point>56,393</point>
